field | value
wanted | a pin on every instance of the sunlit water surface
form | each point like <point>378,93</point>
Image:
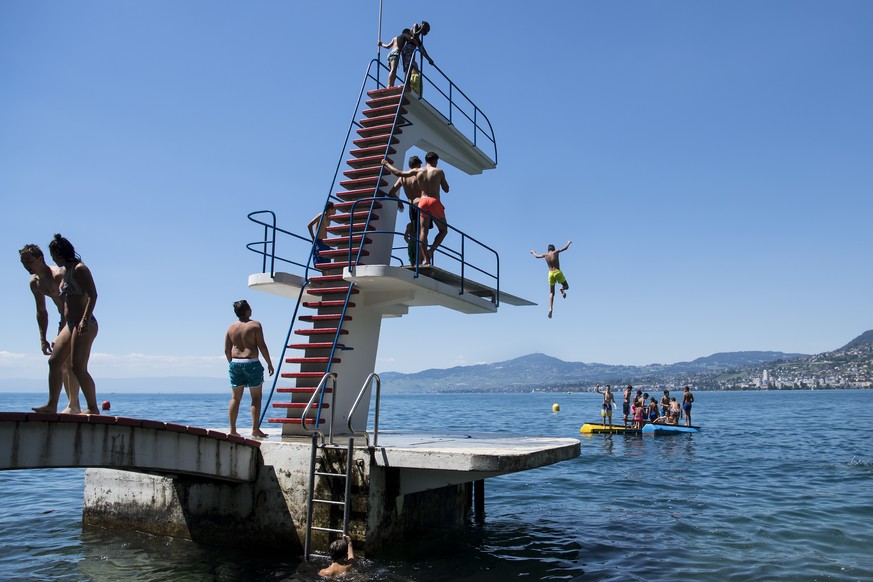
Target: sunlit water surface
<point>778,486</point>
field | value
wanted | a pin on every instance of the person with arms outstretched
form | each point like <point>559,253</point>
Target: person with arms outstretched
<point>555,274</point>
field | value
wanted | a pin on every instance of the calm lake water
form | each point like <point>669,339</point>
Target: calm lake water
<point>778,486</point>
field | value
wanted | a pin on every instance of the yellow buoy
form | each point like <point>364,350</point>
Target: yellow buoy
<point>556,407</point>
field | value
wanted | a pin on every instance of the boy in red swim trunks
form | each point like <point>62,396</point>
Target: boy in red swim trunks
<point>431,179</point>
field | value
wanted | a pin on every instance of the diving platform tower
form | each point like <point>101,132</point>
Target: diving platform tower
<point>365,275</point>
<point>323,473</point>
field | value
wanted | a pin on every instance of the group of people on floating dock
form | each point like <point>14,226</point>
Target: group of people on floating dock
<point>640,409</point>
<point>70,286</point>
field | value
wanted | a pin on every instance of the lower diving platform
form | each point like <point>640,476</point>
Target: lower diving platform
<point>401,287</point>
<point>408,484</point>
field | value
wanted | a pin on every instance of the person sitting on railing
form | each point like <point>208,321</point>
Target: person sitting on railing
<point>321,222</point>
<point>396,45</point>
<point>431,179</point>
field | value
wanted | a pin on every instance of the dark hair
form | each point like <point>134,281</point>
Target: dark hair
<point>431,157</point>
<point>64,249</point>
<point>31,249</point>
<point>338,550</point>
<point>425,27</point>
<point>414,162</point>
<point>551,247</point>
<point>239,307</point>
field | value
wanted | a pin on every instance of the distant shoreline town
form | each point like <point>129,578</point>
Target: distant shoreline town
<point>849,367</point>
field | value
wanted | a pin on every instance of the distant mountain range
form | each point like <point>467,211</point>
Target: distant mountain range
<point>850,366</point>
<point>543,372</point>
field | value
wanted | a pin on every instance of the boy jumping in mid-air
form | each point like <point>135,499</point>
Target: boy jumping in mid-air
<point>555,274</point>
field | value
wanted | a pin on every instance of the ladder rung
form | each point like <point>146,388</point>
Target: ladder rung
<point>328,502</point>
<point>327,529</point>
<point>343,475</point>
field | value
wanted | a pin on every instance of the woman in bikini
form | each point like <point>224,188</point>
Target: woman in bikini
<point>77,336</point>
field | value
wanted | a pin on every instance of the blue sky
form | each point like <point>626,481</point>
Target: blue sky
<point>711,161</point>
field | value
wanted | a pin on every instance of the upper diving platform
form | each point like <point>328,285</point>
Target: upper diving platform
<point>431,130</point>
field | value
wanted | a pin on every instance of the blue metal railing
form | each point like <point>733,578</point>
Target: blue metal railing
<point>452,103</point>
<point>458,256</point>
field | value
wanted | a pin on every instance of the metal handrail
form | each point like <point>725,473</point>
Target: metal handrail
<point>271,241</point>
<point>364,433</point>
<point>320,390</point>
<point>453,105</point>
<point>458,256</point>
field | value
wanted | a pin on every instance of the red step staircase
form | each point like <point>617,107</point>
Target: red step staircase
<point>323,329</point>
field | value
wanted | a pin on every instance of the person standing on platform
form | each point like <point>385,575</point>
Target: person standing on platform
<point>555,274</point>
<point>243,344</point>
<point>396,45</point>
<point>410,187</point>
<point>687,401</point>
<point>431,180</point>
<point>415,41</point>
<point>80,327</point>
<point>45,281</point>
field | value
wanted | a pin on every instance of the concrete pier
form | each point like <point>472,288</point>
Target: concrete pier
<point>408,485</point>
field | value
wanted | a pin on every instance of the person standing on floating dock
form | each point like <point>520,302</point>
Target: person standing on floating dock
<point>608,404</point>
<point>430,179</point>
<point>555,274</point>
<point>687,401</point>
<point>625,406</point>
<point>46,282</point>
<point>243,344</point>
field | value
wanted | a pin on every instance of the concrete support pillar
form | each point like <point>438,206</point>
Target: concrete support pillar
<point>479,497</point>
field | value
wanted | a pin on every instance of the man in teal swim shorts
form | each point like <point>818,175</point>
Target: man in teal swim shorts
<point>243,344</point>
<point>555,274</point>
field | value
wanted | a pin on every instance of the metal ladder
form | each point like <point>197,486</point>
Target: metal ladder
<point>319,444</point>
<point>314,473</point>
